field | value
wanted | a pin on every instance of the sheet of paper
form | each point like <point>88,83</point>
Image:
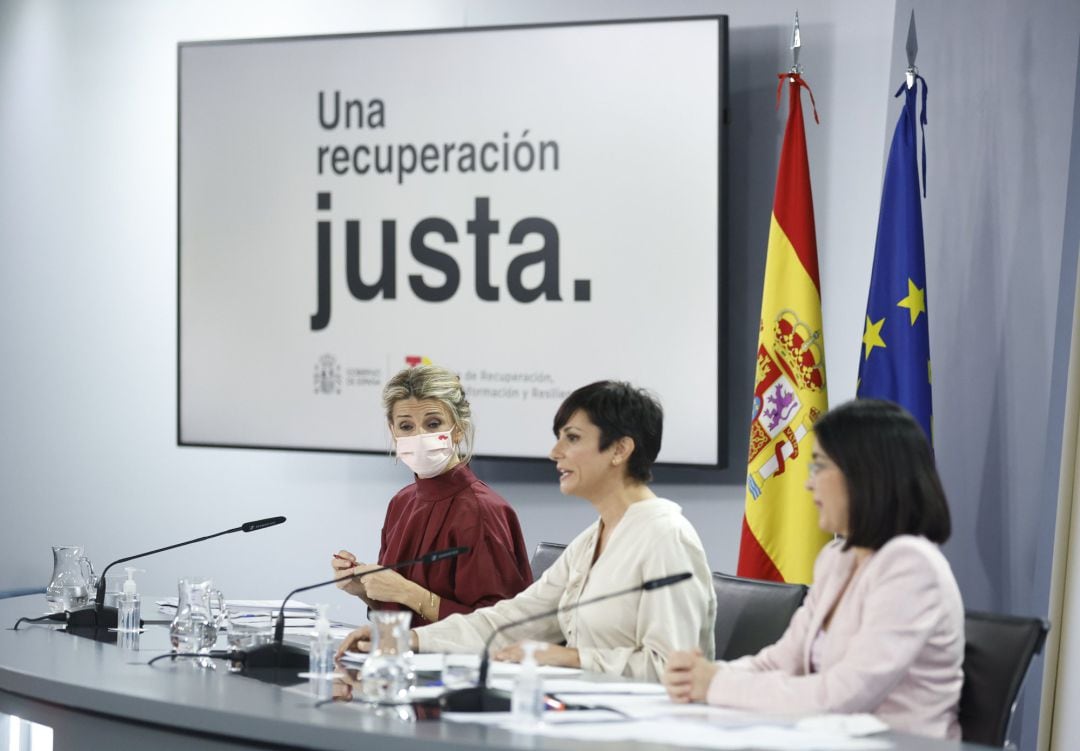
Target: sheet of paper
<point>637,706</point>
<point>249,606</point>
<point>845,724</point>
<point>583,715</point>
<point>336,631</point>
<point>354,658</point>
<point>575,686</point>
<point>433,662</point>
<point>674,732</point>
<point>512,669</point>
<point>646,706</point>
<point>478,718</point>
<point>506,719</point>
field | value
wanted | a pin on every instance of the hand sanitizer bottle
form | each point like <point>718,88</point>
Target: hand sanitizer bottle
<point>321,656</point>
<point>527,700</point>
<point>128,605</point>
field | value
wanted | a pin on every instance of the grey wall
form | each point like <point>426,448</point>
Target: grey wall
<point>87,133</point>
<point>87,279</point>
<point>1002,283</point>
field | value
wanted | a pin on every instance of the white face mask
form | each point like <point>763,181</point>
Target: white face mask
<point>426,454</point>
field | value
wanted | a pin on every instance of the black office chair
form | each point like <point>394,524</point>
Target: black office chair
<point>545,554</point>
<point>752,614</point>
<point>997,653</point>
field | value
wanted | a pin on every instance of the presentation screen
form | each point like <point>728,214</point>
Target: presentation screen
<point>535,208</point>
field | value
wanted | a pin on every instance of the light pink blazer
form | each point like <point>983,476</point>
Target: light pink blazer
<point>894,647</point>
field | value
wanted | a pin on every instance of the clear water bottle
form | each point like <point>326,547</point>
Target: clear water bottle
<point>527,700</point>
<point>321,656</point>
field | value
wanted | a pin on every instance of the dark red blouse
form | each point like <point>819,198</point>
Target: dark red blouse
<point>452,509</point>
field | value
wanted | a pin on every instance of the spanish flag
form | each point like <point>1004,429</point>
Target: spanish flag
<point>780,535</point>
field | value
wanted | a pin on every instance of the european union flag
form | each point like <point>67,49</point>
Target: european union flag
<point>895,358</point>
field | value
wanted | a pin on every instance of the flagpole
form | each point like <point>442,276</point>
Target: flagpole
<point>912,48</point>
<point>796,45</point>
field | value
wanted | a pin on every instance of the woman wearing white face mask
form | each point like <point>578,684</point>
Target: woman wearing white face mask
<point>446,506</point>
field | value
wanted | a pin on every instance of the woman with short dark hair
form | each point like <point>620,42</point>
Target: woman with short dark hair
<point>882,628</point>
<point>607,438</point>
<point>619,409</point>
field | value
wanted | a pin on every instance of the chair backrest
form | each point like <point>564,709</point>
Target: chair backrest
<point>545,554</point>
<point>998,650</point>
<point>752,614</point>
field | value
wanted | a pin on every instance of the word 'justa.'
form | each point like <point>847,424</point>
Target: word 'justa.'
<point>442,261</point>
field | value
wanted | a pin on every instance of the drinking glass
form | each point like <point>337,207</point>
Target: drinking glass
<point>246,631</point>
<point>195,627</point>
<point>460,670</point>
<point>387,675</point>
<point>72,578</point>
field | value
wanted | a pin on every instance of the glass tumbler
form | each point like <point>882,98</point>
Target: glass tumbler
<point>387,676</point>
<point>246,631</point>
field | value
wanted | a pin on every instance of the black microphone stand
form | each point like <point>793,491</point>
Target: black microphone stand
<point>280,663</point>
<point>480,698</point>
<point>95,621</point>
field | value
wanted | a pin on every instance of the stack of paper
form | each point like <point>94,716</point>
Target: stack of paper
<point>501,674</point>
<point>712,728</point>
<point>293,609</point>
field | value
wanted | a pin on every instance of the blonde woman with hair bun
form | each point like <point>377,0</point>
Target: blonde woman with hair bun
<point>445,506</point>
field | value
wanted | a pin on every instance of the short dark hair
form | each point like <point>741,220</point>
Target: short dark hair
<point>620,410</point>
<point>892,482</point>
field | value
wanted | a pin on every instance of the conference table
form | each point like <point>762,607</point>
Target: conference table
<point>96,695</point>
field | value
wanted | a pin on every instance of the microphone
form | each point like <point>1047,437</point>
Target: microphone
<point>482,699</point>
<point>258,524</point>
<point>278,662</point>
<point>97,616</point>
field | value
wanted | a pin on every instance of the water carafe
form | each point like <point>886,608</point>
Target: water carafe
<point>72,579</point>
<point>195,627</point>
<point>387,675</point>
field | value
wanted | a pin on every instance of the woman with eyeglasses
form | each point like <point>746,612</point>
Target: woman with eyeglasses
<point>882,627</point>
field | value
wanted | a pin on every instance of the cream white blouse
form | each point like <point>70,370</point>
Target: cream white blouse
<point>629,635</point>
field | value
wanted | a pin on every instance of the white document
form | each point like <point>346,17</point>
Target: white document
<point>679,732</point>
<point>249,606</point>
<point>432,662</point>
<point>629,706</point>
<point>477,718</point>
<point>845,724</point>
<point>428,662</point>
<point>306,627</point>
<point>572,686</point>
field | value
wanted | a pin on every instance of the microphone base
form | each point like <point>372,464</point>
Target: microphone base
<point>276,663</point>
<point>94,623</point>
<point>475,699</point>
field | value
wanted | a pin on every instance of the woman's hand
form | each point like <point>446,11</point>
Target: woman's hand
<point>360,641</point>
<point>344,683</point>
<point>345,565</point>
<point>546,654</point>
<point>687,676</point>
<point>389,586</point>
